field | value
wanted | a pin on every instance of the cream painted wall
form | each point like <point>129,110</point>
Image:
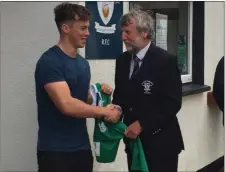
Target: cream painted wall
<point>28,28</point>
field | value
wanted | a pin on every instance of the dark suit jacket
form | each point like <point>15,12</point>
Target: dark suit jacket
<point>153,98</point>
<point>218,84</point>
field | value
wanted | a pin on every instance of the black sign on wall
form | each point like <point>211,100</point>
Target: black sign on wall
<point>104,41</point>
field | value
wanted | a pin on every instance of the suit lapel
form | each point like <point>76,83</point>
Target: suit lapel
<point>149,56</point>
<point>126,65</point>
<point>146,61</point>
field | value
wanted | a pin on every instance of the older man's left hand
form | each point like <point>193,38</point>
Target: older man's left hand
<point>134,130</point>
<point>106,89</point>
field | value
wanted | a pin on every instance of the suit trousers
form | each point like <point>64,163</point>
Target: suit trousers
<point>161,162</point>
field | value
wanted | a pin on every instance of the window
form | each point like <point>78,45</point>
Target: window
<point>173,30</point>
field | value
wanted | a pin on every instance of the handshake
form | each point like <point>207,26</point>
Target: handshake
<point>113,113</point>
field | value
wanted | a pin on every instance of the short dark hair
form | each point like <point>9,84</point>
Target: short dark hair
<point>70,12</point>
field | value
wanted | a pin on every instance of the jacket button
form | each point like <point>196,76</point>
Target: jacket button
<point>130,109</point>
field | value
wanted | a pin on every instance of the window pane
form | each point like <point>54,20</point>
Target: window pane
<point>171,28</point>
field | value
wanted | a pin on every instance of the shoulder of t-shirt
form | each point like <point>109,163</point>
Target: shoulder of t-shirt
<point>85,61</point>
<point>50,56</point>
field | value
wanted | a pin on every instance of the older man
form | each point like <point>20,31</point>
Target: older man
<point>148,87</point>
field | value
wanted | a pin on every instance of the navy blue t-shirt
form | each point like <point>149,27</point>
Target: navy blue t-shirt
<point>58,132</point>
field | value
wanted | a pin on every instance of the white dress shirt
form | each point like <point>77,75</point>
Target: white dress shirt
<point>140,55</point>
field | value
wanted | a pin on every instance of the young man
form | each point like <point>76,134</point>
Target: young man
<point>148,88</point>
<point>62,80</point>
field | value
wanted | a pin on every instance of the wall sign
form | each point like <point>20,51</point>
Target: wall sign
<point>161,30</point>
<point>104,41</point>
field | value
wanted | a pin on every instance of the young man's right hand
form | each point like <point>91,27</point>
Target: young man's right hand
<point>113,113</point>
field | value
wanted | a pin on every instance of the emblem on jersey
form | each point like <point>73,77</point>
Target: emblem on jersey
<point>102,127</point>
<point>147,86</point>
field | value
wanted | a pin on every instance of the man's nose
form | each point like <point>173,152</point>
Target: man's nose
<point>87,33</point>
<point>124,36</point>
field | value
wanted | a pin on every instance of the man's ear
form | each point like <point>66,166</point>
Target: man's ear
<point>144,35</point>
<point>65,28</point>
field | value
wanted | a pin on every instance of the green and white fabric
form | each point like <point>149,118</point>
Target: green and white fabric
<point>107,136</point>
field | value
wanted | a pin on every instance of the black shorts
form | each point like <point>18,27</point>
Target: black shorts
<point>79,161</point>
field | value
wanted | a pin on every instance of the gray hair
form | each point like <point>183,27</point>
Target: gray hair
<point>145,22</point>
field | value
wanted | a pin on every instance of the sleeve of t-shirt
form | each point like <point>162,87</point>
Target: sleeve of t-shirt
<point>50,70</point>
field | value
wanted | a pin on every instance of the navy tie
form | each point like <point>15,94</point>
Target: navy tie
<point>136,67</point>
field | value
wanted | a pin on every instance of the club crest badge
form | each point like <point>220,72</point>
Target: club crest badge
<point>102,127</point>
<point>147,86</point>
<point>105,10</point>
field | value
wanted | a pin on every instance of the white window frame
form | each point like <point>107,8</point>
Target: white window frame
<point>188,77</point>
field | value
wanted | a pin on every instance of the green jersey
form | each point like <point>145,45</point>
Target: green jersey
<point>107,136</point>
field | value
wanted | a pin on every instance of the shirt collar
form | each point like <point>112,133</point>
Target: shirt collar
<point>142,52</point>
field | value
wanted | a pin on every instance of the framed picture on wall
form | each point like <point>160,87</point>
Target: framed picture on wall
<point>104,41</point>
